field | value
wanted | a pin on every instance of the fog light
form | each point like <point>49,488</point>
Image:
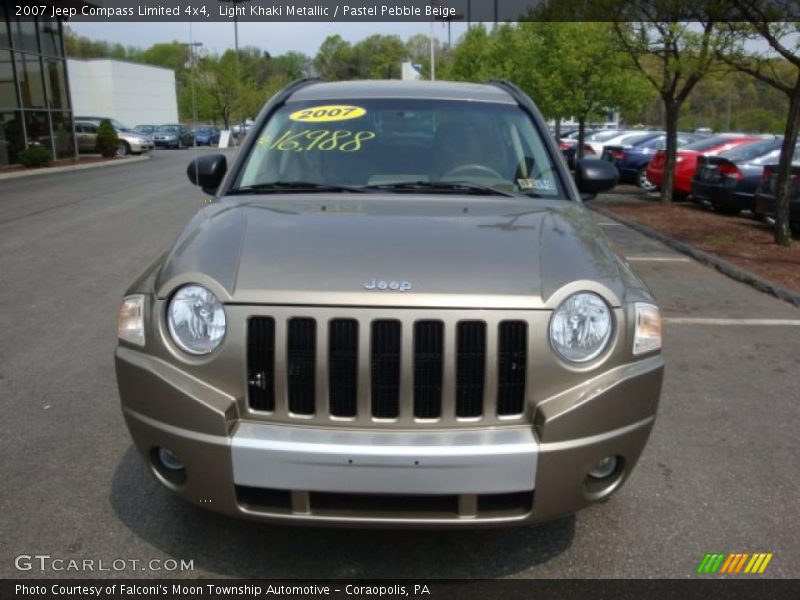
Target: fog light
<point>604,468</point>
<point>169,460</point>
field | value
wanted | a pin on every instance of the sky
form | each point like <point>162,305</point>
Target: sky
<point>276,38</point>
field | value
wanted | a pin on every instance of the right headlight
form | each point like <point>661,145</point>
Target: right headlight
<point>580,328</point>
<point>196,320</point>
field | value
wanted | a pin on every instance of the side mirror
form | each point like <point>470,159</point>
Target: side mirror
<point>593,176</point>
<point>207,172</point>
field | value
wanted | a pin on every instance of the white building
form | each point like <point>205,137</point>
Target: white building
<point>131,93</point>
<point>410,71</point>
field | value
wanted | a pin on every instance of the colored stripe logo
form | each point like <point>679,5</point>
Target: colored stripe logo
<point>734,563</point>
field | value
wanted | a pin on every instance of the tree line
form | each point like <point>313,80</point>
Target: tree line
<point>658,71</point>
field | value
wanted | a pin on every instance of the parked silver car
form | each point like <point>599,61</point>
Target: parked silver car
<point>130,142</point>
<point>396,311</point>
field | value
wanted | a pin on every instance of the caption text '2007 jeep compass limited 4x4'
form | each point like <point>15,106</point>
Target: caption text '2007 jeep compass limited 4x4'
<point>395,311</point>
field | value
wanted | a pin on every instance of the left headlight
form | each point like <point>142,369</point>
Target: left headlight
<point>581,326</point>
<point>130,320</point>
<point>196,320</point>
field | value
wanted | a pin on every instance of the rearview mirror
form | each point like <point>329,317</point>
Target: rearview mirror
<point>208,171</point>
<point>593,176</point>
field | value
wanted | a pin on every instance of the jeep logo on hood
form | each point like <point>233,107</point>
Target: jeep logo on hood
<point>392,286</point>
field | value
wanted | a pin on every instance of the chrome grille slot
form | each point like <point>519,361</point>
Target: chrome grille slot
<point>385,369</point>
<point>343,367</point>
<point>512,359</point>
<point>470,368</point>
<point>352,367</point>
<point>261,363</point>
<point>300,360</point>
<point>428,355</point>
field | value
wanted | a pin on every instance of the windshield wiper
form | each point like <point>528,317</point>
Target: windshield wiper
<point>277,187</point>
<point>442,187</point>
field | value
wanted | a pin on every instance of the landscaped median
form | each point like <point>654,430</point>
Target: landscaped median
<point>739,247</point>
<point>59,166</point>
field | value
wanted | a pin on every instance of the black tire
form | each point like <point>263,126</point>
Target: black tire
<point>643,182</point>
<point>727,210</point>
<point>123,149</point>
<point>679,196</point>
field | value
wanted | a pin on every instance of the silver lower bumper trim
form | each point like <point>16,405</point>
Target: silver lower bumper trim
<point>321,460</point>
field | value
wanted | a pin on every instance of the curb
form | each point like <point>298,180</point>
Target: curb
<point>711,260</point>
<point>96,165</point>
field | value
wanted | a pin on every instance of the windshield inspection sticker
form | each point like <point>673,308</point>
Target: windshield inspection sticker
<point>545,185</point>
<point>327,114</point>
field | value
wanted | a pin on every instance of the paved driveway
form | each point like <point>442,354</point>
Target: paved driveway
<point>720,472</point>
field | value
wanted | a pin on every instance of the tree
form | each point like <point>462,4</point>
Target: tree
<point>673,55</point>
<point>781,71</point>
<point>418,51</point>
<point>107,139</point>
<point>577,70</point>
<point>379,56</point>
<point>470,59</point>
<point>335,59</point>
<point>216,79</point>
<point>569,69</point>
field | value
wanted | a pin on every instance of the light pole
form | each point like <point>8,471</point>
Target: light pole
<point>193,60</point>
<point>236,49</point>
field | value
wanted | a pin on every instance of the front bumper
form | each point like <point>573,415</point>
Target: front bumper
<point>139,148</point>
<point>433,478</point>
<point>166,143</point>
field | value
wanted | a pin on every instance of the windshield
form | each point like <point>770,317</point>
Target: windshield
<point>168,129</point>
<point>709,143</point>
<point>602,136</point>
<point>396,142</point>
<point>751,151</point>
<point>203,130</point>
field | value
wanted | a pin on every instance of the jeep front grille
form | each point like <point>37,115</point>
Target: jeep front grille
<point>343,366</point>
<point>376,369</point>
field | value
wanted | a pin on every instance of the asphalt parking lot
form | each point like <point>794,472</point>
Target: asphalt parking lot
<point>720,472</point>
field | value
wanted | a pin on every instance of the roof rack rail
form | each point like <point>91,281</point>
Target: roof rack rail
<point>509,87</point>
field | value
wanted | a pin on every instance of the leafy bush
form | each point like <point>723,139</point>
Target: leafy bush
<point>107,139</point>
<point>35,156</point>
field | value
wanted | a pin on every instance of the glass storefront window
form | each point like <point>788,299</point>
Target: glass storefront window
<point>49,37</point>
<point>8,88</point>
<point>37,128</point>
<point>5,41</point>
<point>56,84</point>
<point>24,35</point>
<point>62,132</point>
<point>11,138</point>
<point>29,72</point>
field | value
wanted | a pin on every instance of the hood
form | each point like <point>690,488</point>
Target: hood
<point>393,251</point>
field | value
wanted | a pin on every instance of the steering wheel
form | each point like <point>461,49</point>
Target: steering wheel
<point>483,169</point>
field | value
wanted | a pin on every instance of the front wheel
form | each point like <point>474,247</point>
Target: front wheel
<point>727,209</point>
<point>643,182</point>
<point>122,149</point>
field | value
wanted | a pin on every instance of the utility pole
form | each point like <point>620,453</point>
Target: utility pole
<point>193,60</point>
<point>433,55</point>
<point>236,50</point>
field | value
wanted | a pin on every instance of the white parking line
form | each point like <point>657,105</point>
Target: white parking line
<point>611,224</point>
<point>682,259</point>
<point>750,322</point>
